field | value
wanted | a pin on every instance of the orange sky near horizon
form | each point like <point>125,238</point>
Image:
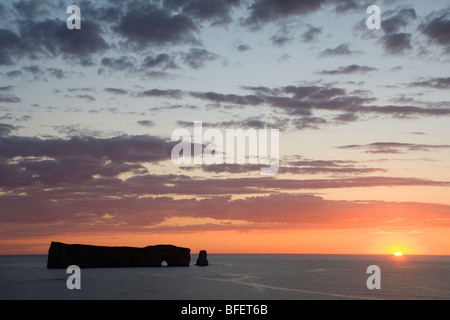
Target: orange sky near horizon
<point>429,241</point>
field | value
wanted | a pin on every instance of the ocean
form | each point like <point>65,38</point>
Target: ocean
<point>236,277</point>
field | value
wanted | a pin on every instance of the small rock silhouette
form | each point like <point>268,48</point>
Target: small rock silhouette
<point>202,259</point>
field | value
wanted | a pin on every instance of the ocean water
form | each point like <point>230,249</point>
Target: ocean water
<point>236,277</point>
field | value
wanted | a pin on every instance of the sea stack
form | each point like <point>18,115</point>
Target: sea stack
<point>202,260</point>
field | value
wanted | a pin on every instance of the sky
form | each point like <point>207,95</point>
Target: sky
<point>87,116</point>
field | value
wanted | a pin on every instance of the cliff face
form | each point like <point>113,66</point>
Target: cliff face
<point>61,255</point>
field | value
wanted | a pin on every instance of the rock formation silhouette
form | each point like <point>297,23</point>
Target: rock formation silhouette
<point>61,255</point>
<point>202,259</point>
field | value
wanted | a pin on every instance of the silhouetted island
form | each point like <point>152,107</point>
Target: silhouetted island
<point>202,259</point>
<point>61,255</point>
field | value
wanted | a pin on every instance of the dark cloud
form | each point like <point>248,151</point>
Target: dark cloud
<point>351,69</point>
<point>243,47</point>
<point>146,123</point>
<point>75,160</point>
<point>117,149</point>
<point>268,10</point>
<point>35,71</point>
<point>62,170</point>
<point>5,129</point>
<point>8,98</point>
<point>397,26</point>
<point>10,45</point>
<point>308,123</point>
<point>280,39</point>
<point>170,93</point>
<point>123,63</point>
<point>350,5</point>
<point>249,123</point>
<point>435,83</point>
<point>437,28</point>
<point>117,91</point>
<point>402,111</point>
<point>162,60</point>
<point>303,100</point>
<point>197,57</point>
<point>310,167</point>
<point>394,147</point>
<point>340,50</point>
<point>229,98</point>
<point>311,34</point>
<point>396,43</point>
<point>57,73</point>
<point>53,38</point>
<point>145,24</point>
<point>6,88</point>
<point>14,73</point>
<point>394,20</point>
<point>347,117</point>
<point>216,11</point>
<point>85,97</point>
<point>30,9</point>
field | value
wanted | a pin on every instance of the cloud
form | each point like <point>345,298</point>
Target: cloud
<point>229,98</point>
<point>52,38</point>
<point>350,5</point>
<point>118,149</point>
<point>90,208</point>
<point>10,45</point>
<point>262,11</point>
<point>311,34</point>
<point>216,11</point>
<point>435,83</point>
<point>249,123</point>
<point>308,123</point>
<point>30,9</point>
<point>197,57</point>
<point>310,167</point>
<point>397,28</point>
<point>8,97</point>
<point>280,39</point>
<point>146,123</point>
<point>123,63</point>
<point>14,73</point>
<point>243,47</point>
<point>57,73</point>
<point>437,28</point>
<point>396,43</point>
<point>394,20</point>
<point>394,147</point>
<point>351,69</point>
<point>170,93</point>
<point>145,24</point>
<point>162,60</point>
<point>340,50</point>
<point>116,91</point>
<point>5,129</point>
<point>303,100</point>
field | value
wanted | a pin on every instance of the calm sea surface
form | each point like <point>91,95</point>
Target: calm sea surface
<point>240,277</point>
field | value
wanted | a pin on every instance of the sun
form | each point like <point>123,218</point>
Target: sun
<point>398,254</point>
